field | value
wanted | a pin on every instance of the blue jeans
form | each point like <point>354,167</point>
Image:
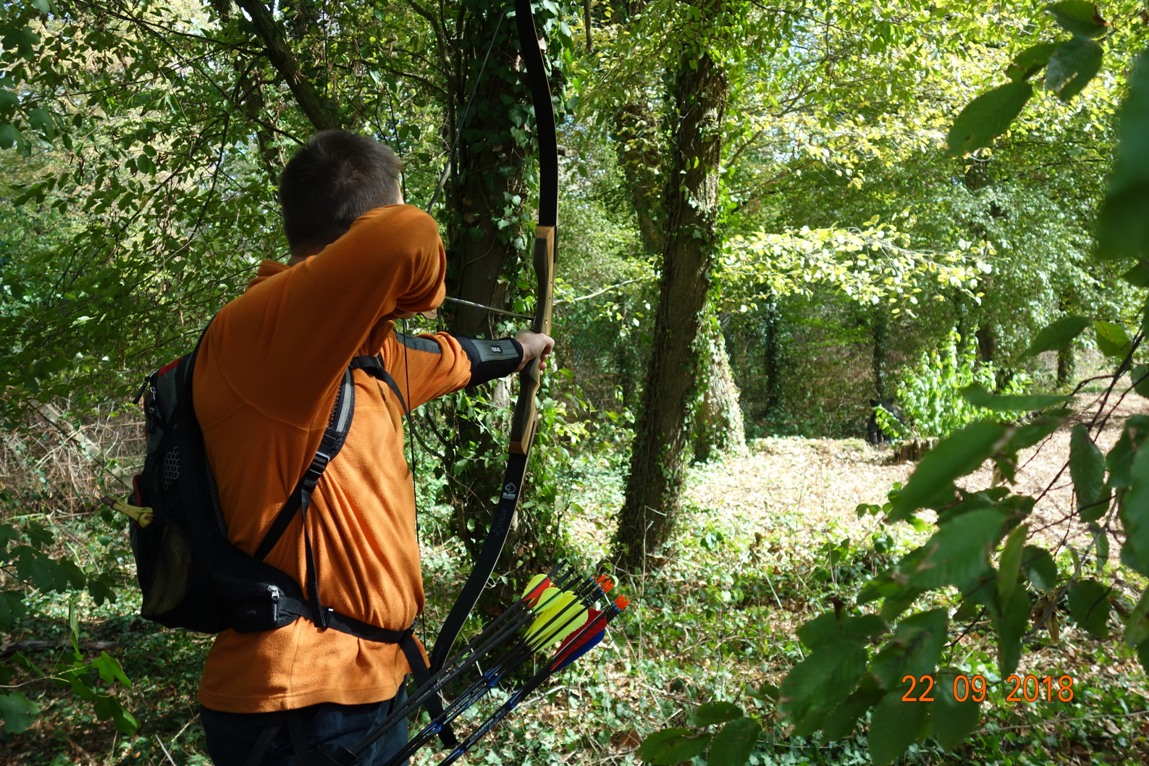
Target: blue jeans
<point>281,739</point>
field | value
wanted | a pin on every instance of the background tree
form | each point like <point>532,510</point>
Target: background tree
<point>697,101</point>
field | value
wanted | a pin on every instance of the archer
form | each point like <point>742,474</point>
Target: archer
<point>269,370</point>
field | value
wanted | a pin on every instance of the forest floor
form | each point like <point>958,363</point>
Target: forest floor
<point>767,541</point>
<point>773,538</point>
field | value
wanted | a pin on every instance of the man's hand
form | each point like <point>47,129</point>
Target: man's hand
<point>535,346</point>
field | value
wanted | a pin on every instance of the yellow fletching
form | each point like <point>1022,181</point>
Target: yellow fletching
<point>564,615</point>
<point>546,599</point>
<point>569,623</point>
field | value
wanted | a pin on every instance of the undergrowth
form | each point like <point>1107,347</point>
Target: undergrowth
<point>714,621</point>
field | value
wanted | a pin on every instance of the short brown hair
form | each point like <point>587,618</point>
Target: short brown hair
<point>333,179</point>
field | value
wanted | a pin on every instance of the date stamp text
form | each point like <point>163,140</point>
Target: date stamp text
<point>1017,688</point>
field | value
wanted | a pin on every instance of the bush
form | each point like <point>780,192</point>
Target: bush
<point>930,393</point>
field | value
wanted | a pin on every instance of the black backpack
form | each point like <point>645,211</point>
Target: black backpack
<point>190,574</point>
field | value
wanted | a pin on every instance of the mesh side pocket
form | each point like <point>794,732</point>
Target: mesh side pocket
<point>169,580</point>
<point>170,470</point>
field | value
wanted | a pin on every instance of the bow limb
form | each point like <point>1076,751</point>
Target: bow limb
<point>524,423</point>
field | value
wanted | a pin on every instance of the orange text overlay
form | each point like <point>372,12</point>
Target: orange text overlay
<point>975,688</point>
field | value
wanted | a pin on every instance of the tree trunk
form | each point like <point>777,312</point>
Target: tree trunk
<point>493,163</point>
<point>772,356</point>
<point>987,344</point>
<point>879,329</point>
<point>639,154</point>
<point>717,426</point>
<point>640,147</point>
<point>489,168</point>
<point>659,453</point>
<point>1066,366</point>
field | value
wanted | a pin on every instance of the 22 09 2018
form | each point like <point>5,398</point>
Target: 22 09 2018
<point>1018,688</point>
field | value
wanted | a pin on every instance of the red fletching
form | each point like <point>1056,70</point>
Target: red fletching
<point>536,593</point>
<point>583,640</point>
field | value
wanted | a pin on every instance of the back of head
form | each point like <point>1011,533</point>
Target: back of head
<point>333,179</point>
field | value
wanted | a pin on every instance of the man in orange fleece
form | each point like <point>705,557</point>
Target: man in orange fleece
<point>266,379</point>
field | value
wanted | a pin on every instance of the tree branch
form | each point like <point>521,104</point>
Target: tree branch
<point>285,62</point>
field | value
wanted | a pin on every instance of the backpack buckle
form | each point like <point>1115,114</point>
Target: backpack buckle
<point>319,463</point>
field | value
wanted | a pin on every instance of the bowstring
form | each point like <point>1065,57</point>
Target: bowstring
<point>448,166</point>
<point>412,468</point>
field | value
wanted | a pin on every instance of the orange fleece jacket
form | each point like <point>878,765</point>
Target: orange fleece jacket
<point>265,381</point>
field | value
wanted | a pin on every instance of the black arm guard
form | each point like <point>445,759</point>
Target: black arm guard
<point>491,359</point>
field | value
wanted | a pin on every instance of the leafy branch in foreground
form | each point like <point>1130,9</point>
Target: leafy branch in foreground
<point>1068,66</point>
<point>860,663</point>
<point>982,549</point>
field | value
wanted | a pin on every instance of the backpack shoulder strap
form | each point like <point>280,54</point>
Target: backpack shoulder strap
<point>373,366</point>
<point>333,439</point>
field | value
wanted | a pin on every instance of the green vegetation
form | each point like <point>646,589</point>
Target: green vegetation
<point>771,215</point>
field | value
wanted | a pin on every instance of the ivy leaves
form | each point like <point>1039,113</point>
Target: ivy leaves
<point>730,745</point>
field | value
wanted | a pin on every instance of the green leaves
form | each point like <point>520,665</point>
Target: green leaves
<point>1112,340</point>
<point>1010,619</point>
<point>936,395</point>
<point>1123,229</point>
<point>820,682</point>
<point>1079,18</point>
<point>959,553</point>
<point>1076,61</point>
<point>734,742</point>
<point>1134,510</point>
<point>1073,64</point>
<point>1139,377</point>
<point>1039,568</point>
<point>17,713</point>
<point>987,117</point>
<point>976,395</point>
<point>1009,565</point>
<point>9,135</point>
<point>670,747</point>
<point>955,712</point>
<point>914,649</point>
<point>1089,607</point>
<point>1058,336</point>
<point>1087,469</point>
<point>730,746</point>
<point>955,456</point>
<point>894,726</point>
<point>1069,66</point>
<point>714,713</point>
<point>1030,61</point>
<point>8,103</point>
<point>828,690</point>
<point>829,628</point>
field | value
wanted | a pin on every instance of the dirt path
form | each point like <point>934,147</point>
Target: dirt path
<point>800,487</point>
